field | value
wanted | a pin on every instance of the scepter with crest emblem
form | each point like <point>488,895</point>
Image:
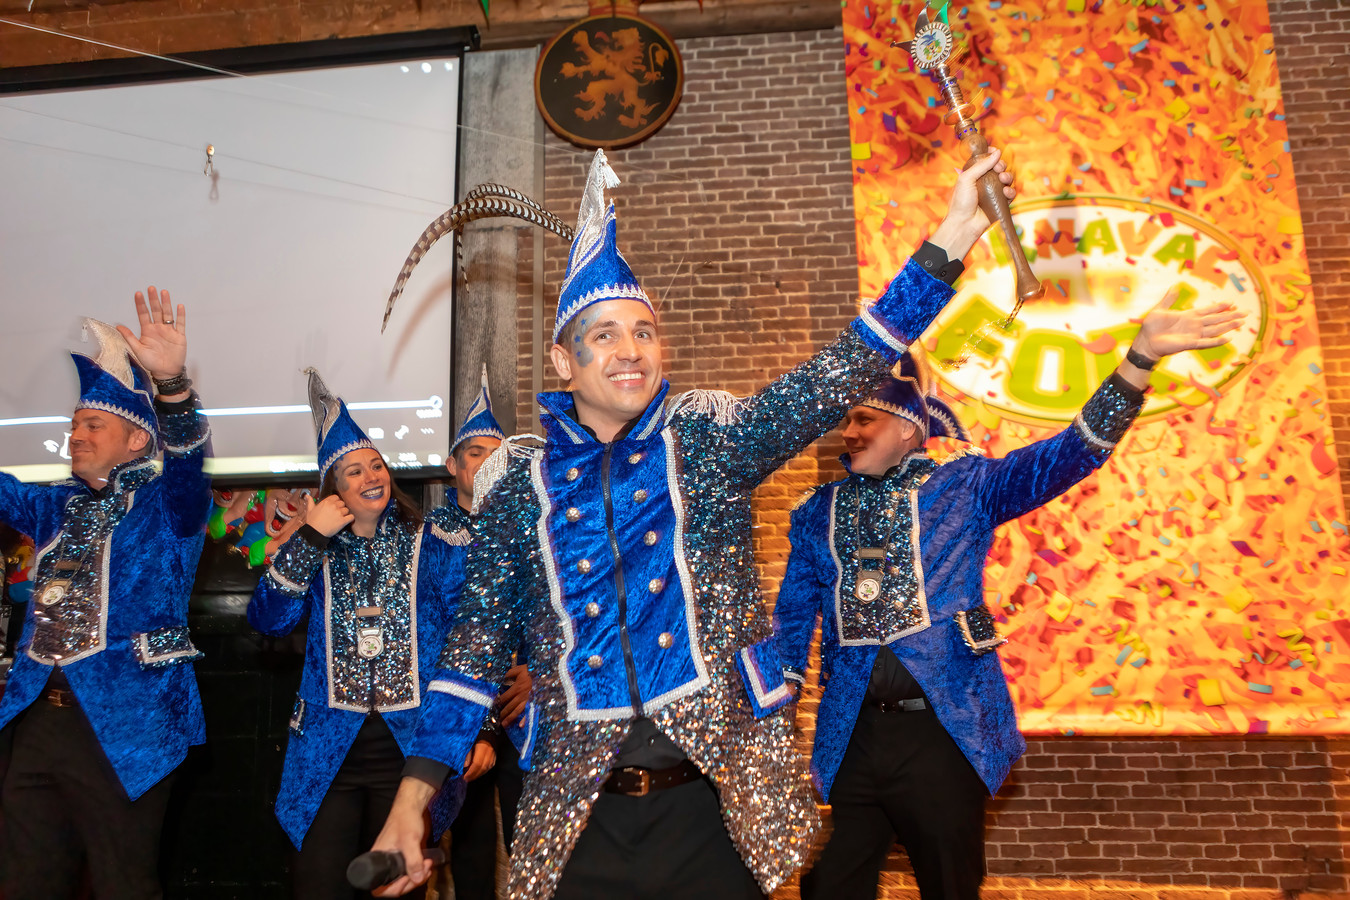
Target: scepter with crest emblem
<point>931,49</point>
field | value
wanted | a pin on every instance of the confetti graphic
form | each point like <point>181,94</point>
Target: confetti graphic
<point>1197,583</point>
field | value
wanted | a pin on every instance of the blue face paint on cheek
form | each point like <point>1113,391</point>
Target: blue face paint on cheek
<point>584,355</point>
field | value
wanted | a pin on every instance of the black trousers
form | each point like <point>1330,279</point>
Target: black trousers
<point>473,835</point>
<point>668,845</point>
<point>902,777</point>
<point>64,808</point>
<point>350,816</point>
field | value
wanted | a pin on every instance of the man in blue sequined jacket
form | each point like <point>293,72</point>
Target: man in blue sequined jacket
<point>618,549</point>
<point>102,704</point>
<point>916,727</point>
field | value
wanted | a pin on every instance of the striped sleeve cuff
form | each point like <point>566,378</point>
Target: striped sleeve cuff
<point>1109,413</point>
<point>903,312</point>
<point>296,562</point>
<point>183,430</point>
<point>453,712</point>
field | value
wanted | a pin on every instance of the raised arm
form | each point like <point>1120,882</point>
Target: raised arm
<point>184,432</point>
<point>779,421</point>
<point>1033,475</point>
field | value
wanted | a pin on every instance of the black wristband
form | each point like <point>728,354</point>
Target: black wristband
<point>178,384</point>
<point>316,538</point>
<point>1139,360</point>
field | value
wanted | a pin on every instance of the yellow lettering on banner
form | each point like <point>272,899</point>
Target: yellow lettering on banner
<point>999,245</point>
<point>1136,245</point>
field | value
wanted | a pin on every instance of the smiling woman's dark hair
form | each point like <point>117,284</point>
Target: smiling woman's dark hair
<point>406,512</point>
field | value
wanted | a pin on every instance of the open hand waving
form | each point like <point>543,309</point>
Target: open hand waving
<point>162,345</point>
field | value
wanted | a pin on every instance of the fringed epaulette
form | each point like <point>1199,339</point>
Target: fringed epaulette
<point>518,446</point>
<point>722,407</point>
<point>457,538</point>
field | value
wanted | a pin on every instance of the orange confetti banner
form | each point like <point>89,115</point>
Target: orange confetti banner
<point>1196,584</point>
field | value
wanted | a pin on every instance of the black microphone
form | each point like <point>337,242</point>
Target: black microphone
<point>380,867</point>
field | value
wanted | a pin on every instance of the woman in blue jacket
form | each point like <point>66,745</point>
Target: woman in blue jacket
<point>380,584</point>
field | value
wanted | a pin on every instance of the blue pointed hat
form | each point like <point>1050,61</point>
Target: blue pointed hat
<point>596,270</point>
<point>479,422</point>
<point>908,393</point>
<point>113,381</point>
<point>336,430</point>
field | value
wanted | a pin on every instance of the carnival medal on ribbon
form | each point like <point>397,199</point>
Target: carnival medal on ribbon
<point>369,642</point>
<point>932,50</point>
<point>867,586</point>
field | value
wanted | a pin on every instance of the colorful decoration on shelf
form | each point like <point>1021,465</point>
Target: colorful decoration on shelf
<point>257,522</point>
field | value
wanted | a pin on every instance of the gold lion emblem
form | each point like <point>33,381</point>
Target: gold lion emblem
<point>621,65</point>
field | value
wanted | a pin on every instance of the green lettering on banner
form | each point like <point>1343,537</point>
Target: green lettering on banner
<point>978,313</point>
<point>1097,235</point>
<point>1031,355</point>
<point>998,244</point>
<point>1180,249</point>
<point>1186,296</point>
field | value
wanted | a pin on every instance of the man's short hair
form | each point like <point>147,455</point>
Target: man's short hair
<point>569,332</point>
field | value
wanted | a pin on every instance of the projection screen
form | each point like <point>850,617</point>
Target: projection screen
<point>283,249</point>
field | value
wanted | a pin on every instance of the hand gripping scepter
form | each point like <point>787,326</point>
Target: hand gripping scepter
<point>932,49</point>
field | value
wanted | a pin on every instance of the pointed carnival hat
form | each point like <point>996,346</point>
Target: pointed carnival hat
<point>908,393</point>
<point>336,430</point>
<point>596,270</point>
<point>113,381</point>
<point>479,422</point>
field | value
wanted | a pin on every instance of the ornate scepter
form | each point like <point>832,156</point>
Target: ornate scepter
<point>931,49</point>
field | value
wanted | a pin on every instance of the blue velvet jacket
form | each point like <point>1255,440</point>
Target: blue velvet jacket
<point>931,610</point>
<point>128,556</point>
<point>627,570</point>
<point>415,577</point>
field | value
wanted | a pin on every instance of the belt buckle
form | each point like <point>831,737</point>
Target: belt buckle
<point>645,775</point>
<point>61,699</point>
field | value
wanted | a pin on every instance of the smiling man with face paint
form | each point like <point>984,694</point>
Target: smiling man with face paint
<point>618,548</point>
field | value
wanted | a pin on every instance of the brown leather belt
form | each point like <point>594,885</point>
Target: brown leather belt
<point>913,705</point>
<point>59,697</point>
<point>636,782</point>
